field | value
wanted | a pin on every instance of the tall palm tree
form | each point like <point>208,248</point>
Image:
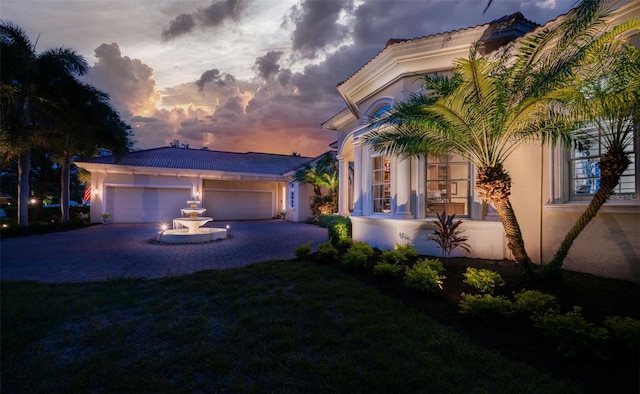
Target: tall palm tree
<point>496,105</point>
<point>611,105</point>
<point>24,80</point>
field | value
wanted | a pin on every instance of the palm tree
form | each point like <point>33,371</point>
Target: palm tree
<point>25,104</point>
<point>322,175</point>
<point>493,106</point>
<point>84,121</point>
<point>611,103</point>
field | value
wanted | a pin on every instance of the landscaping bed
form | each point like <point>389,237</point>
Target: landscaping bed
<point>515,337</point>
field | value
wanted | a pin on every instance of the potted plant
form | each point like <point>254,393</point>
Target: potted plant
<point>283,214</point>
<point>105,216</point>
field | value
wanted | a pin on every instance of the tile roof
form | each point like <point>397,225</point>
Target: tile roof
<point>207,160</point>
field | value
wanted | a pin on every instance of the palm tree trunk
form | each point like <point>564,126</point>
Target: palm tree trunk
<point>514,235</point>
<point>24,162</point>
<point>612,166</point>
<point>64,190</point>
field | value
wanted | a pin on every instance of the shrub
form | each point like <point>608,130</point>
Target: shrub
<point>406,249</point>
<point>355,258</point>
<point>536,302</point>
<point>435,264</point>
<point>482,279</point>
<point>572,332</point>
<point>424,276</point>
<point>447,235</point>
<point>388,270</point>
<point>344,244</point>
<point>303,251</point>
<point>326,252</point>
<point>485,305</point>
<point>339,228</point>
<point>363,247</point>
<point>323,220</point>
<point>393,257</point>
<point>624,330</point>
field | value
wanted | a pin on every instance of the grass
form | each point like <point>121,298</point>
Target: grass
<point>284,326</point>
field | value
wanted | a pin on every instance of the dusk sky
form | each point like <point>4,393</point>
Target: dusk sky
<point>240,75</point>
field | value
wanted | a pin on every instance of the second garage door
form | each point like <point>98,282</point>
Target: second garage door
<point>239,205</point>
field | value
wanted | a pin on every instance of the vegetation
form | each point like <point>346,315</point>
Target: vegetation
<point>535,302</point>
<point>44,105</point>
<point>486,305</point>
<point>447,235</point>
<point>425,275</point>
<point>323,176</point>
<point>272,327</point>
<point>339,228</point>
<point>303,251</point>
<point>490,107</point>
<point>486,281</point>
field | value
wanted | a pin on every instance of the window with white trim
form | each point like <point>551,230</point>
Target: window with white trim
<point>381,184</point>
<point>448,185</point>
<point>585,171</point>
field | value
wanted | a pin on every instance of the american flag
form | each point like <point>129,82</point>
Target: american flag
<point>87,194</point>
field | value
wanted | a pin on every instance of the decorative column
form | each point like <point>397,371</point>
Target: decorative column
<point>357,178</point>
<point>403,189</point>
<point>343,189</point>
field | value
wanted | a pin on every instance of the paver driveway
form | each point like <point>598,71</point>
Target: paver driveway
<point>103,252</point>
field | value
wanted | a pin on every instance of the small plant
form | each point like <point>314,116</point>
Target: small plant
<point>572,332</point>
<point>485,305</point>
<point>363,247</point>
<point>486,281</point>
<point>355,259</point>
<point>393,257</point>
<point>435,264</point>
<point>624,330</point>
<point>303,251</point>
<point>327,252</point>
<point>339,228</point>
<point>105,217</point>
<point>425,275</point>
<point>536,302</point>
<point>345,244</point>
<point>447,235</point>
<point>388,270</point>
<point>407,249</point>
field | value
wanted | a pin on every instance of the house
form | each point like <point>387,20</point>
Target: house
<point>151,186</point>
<point>391,198</point>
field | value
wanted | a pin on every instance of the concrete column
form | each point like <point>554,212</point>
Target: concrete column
<point>403,189</point>
<point>343,189</point>
<point>358,167</point>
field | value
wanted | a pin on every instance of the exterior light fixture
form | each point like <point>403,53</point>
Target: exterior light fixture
<point>228,230</point>
<point>33,201</point>
<point>96,192</point>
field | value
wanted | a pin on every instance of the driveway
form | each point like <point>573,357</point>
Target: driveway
<point>103,252</point>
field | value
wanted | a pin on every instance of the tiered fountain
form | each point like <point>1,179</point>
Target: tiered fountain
<point>188,228</point>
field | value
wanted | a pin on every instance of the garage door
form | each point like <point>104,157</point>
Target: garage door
<point>239,205</point>
<point>145,204</point>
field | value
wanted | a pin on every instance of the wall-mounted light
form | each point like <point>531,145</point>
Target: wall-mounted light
<point>96,192</point>
<point>196,194</point>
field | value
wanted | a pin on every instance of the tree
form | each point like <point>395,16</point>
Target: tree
<point>85,122</point>
<point>611,103</point>
<point>322,175</point>
<point>25,104</point>
<point>494,105</point>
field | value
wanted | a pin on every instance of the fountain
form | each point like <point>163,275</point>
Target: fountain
<point>188,229</point>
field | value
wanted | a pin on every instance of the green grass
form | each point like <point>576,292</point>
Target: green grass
<point>280,326</point>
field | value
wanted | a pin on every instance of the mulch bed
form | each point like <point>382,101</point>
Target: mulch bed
<point>515,337</point>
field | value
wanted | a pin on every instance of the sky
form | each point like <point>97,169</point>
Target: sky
<point>240,75</point>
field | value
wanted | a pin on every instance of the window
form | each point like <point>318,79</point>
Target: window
<point>292,196</point>
<point>448,185</point>
<point>585,170</point>
<point>381,184</point>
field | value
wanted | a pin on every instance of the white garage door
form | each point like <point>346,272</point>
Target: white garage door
<point>145,204</point>
<point>239,205</point>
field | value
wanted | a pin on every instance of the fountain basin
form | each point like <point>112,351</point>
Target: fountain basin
<point>192,223</point>
<point>191,212</point>
<point>183,236</point>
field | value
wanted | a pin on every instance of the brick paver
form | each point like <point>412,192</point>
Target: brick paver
<point>104,252</point>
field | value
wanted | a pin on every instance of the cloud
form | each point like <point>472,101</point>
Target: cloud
<point>267,65</point>
<point>215,15</point>
<point>129,82</point>
<point>318,26</point>
<point>214,75</point>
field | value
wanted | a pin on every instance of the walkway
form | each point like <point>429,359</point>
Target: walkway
<point>104,252</point>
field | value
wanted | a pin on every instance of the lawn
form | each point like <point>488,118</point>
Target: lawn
<point>284,326</point>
